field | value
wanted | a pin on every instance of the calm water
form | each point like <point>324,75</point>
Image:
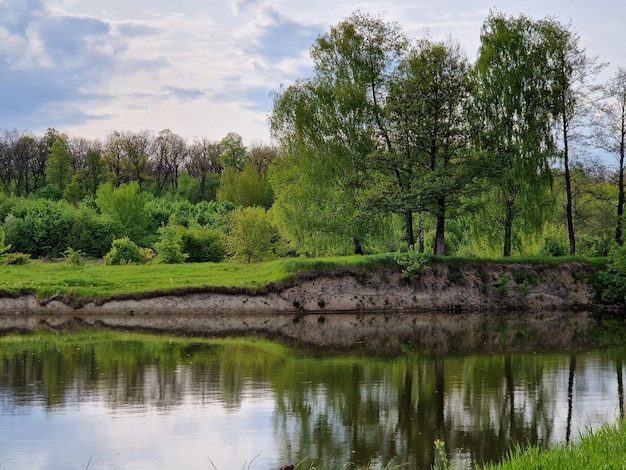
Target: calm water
<point>120,401</point>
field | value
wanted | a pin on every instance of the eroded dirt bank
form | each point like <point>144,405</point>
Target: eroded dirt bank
<point>447,308</point>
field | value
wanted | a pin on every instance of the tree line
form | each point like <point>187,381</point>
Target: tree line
<point>392,144</point>
<point>389,125</point>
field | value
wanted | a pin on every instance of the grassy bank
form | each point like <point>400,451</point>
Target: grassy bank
<point>96,280</point>
<point>604,449</point>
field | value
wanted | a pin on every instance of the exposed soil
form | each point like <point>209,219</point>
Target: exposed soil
<point>448,308</point>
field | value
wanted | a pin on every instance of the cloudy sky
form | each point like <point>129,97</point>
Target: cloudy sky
<point>204,68</point>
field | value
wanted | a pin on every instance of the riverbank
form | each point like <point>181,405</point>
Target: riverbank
<point>466,307</point>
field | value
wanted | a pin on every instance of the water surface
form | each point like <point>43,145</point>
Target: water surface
<point>113,400</point>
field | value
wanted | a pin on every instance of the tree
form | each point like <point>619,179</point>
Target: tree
<point>60,165</point>
<point>573,94</point>
<point>514,117</point>
<point>169,155</point>
<point>250,234</point>
<point>245,188</point>
<point>24,153</point>
<point>89,166</point>
<point>203,163</point>
<point>169,247</point>
<point>126,155</point>
<point>330,117</point>
<point>126,204</point>
<point>233,152</point>
<point>426,110</point>
<point>611,137</point>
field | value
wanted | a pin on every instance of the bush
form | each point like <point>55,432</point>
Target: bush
<point>123,251</point>
<point>553,245</point>
<point>169,248</point>
<point>251,235</point>
<point>15,258</point>
<point>413,262</point>
<point>610,284</point>
<point>204,244</point>
<point>74,257</point>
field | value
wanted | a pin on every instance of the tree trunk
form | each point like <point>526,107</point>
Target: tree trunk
<point>568,186</point>
<point>620,201</point>
<point>508,223</point>
<point>421,232</point>
<point>410,235</point>
<point>440,236</point>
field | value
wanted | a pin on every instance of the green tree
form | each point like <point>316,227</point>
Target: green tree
<point>330,118</point>
<point>232,151</point>
<point>611,137</point>
<point>204,164</point>
<point>250,234</point>
<point>60,165</point>
<point>244,188</point>
<point>127,205</point>
<point>169,247</point>
<point>426,110</point>
<point>168,156</point>
<point>514,118</point>
<point>573,94</point>
<point>126,157</point>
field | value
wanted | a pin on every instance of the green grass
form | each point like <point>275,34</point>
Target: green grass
<point>96,280</point>
<point>604,449</point>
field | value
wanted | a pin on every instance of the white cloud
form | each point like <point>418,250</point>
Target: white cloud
<point>206,68</point>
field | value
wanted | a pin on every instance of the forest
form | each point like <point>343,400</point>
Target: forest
<point>392,144</point>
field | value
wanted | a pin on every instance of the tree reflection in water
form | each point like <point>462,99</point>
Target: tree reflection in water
<point>334,409</point>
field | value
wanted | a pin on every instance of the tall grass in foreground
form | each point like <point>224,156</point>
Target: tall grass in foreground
<point>604,449</point>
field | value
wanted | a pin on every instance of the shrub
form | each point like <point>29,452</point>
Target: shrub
<point>251,234</point>
<point>15,258</point>
<point>123,251</point>
<point>74,257</point>
<point>553,245</point>
<point>169,248</point>
<point>610,284</point>
<point>414,264</point>
<point>204,244</point>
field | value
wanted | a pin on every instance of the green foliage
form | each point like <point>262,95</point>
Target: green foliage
<point>59,167</point>
<point>127,205</point>
<point>15,258</point>
<point>204,244</point>
<point>414,264</point>
<point>610,283</point>
<point>123,251</point>
<point>169,247</point>
<point>39,227</point>
<point>74,258</point>
<point>251,236</point>
<point>3,246</point>
<point>502,287</point>
<point>245,188</point>
<point>553,245</point>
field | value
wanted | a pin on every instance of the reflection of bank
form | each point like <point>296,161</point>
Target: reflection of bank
<point>339,408</point>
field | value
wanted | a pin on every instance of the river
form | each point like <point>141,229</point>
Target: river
<point>113,400</point>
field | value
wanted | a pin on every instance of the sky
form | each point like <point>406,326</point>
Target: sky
<point>204,68</point>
